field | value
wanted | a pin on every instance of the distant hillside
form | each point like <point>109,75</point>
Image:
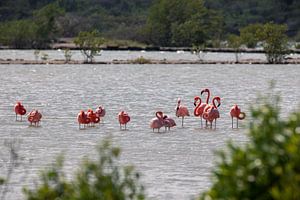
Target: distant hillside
<point>124,19</point>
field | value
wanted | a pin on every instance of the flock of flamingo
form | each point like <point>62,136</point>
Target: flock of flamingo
<point>203,110</point>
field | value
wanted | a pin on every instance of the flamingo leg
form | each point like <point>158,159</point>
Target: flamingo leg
<point>237,123</point>
<point>125,126</point>
<point>215,123</point>
<point>201,122</point>
<point>153,130</point>
<point>21,117</point>
<point>16,117</point>
<point>120,127</point>
<point>231,122</point>
<point>182,121</point>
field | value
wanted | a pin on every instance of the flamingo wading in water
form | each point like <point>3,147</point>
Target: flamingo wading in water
<point>158,121</point>
<point>100,111</point>
<point>94,119</point>
<point>181,111</point>
<point>235,111</point>
<point>19,110</point>
<point>34,117</point>
<point>123,119</point>
<point>82,118</point>
<point>168,122</point>
<point>211,112</point>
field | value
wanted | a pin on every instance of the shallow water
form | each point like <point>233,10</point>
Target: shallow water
<point>175,164</point>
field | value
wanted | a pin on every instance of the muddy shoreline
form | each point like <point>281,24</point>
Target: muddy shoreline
<point>137,61</point>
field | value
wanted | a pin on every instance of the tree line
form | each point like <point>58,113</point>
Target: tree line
<point>36,24</point>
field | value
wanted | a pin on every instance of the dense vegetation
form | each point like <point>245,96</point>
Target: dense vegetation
<point>34,24</point>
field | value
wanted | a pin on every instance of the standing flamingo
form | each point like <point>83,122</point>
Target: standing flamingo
<point>19,110</point>
<point>100,111</point>
<point>235,111</point>
<point>34,117</point>
<point>211,112</point>
<point>169,122</point>
<point>203,105</point>
<point>123,118</point>
<point>181,111</point>
<point>158,121</point>
<point>198,111</point>
<point>82,119</point>
<point>93,117</point>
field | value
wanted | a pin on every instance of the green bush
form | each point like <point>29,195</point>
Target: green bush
<point>100,179</point>
<point>268,166</point>
<point>141,60</point>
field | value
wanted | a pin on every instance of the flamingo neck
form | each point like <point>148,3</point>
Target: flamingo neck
<point>159,115</point>
<point>208,96</point>
<point>214,102</point>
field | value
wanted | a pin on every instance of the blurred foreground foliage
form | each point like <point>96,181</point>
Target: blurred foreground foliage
<point>268,166</point>
<point>100,179</point>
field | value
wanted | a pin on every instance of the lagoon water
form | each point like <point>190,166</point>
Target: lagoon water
<point>175,164</point>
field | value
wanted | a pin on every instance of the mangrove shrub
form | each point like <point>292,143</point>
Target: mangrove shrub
<point>101,179</point>
<point>268,166</point>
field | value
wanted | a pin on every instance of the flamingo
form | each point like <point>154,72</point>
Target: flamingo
<point>19,110</point>
<point>198,111</point>
<point>123,118</point>
<point>82,119</point>
<point>168,122</point>
<point>93,117</point>
<point>100,111</point>
<point>203,105</point>
<point>235,111</point>
<point>211,112</point>
<point>34,117</point>
<point>158,121</point>
<point>181,111</point>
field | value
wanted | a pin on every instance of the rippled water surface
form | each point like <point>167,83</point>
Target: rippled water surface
<point>175,164</point>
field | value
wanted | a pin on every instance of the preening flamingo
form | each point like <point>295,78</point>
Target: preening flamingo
<point>82,119</point>
<point>211,112</point>
<point>235,111</point>
<point>181,111</point>
<point>34,117</point>
<point>19,110</point>
<point>123,118</point>
<point>169,122</point>
<point>100,111</point>
<point>158,121</point>
<point>94,119</point>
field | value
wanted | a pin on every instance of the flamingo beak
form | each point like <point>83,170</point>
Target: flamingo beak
<point>219,103</point>
<point>195,104</point>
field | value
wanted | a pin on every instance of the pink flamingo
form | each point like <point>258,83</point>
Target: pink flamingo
<point>94,119</point>
<point>158,121</point>
<point>235,111</point>
<point>82,119</point>
<point>123,118</point>
<point>100,111</point>
<point>168,122</point>
<point>19,110</point>
<point>211,112</point>
<point>199,107</point>
<point>34,117</point>
<point>181,111</point>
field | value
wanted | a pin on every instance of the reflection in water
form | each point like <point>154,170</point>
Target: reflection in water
<point>175,164</point>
